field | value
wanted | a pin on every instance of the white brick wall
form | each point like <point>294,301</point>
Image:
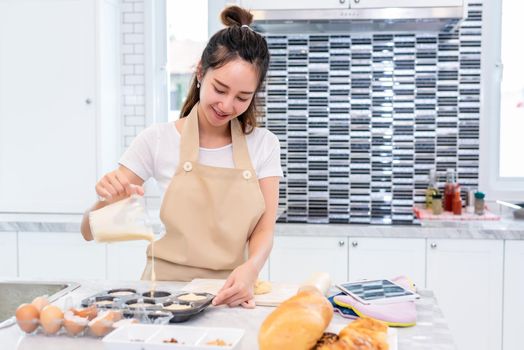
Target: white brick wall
<point>133,79</point>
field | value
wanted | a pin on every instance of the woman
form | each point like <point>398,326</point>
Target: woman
<point>219,172</point>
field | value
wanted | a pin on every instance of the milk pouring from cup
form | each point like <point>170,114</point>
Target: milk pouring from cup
<point>125,220</point>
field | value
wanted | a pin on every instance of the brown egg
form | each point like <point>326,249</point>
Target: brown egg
<point>74,324</point>
<point>27,317</point>
<point>103,323</point>
<point>40,302</point>
<point>51,319</point>
<point>89,312</point>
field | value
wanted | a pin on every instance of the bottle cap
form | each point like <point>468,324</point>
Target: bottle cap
<point>479,195</point>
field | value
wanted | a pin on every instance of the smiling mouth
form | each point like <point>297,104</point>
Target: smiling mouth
<point>220,115</point>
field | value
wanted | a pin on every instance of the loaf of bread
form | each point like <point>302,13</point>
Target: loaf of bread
<point>298,323</point>
<point>361,334</point>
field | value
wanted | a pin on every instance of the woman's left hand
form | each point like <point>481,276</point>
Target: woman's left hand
<point>238,289</point>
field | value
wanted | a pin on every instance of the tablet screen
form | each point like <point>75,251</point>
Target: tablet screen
<point>373,290</point>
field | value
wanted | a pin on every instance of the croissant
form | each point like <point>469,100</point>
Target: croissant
<point>361,334</point>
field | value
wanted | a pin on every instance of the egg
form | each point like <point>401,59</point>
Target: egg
<point>89,312</point>
<point>103,323</point>
<point>27,317</point>
<point>74,324</point>
<point>51,318</point>
<point>40,302</point>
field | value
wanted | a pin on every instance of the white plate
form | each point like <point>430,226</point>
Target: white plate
<point>151,337</point>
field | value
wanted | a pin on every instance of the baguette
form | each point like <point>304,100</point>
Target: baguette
<point>298,323</point>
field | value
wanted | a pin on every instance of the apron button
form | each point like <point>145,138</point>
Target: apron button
<point>246,174</point>
<point>188,166</point>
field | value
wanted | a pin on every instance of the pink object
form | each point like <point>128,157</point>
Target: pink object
<point>427,214</point>
<point>401,314</point>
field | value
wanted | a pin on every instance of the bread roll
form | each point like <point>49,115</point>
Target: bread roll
<point>297,323</point>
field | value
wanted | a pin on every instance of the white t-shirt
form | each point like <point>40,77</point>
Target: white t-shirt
<point>155,153</point>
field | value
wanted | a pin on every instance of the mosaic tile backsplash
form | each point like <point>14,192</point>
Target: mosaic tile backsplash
<point>362,118</point>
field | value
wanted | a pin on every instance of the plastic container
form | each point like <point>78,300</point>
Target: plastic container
<point>151,337</point>
<point>125,220</point>
<point>479,203</point>
<point>436,204</point>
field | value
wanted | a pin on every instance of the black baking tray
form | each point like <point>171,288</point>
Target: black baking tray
<point>160,300</point>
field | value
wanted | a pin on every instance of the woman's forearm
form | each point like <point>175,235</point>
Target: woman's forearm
<point>260,245</point>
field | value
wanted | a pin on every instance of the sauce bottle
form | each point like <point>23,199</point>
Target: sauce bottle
<point>449,190</point>
<point>457,202</point>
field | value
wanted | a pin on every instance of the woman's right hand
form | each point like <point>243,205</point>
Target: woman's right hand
<point>117,185</point>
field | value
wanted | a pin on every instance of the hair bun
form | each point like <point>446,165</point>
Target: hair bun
<point>234,15</point>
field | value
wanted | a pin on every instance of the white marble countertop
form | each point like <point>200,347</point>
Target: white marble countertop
<point>431,331</point>
<point>506,228</point>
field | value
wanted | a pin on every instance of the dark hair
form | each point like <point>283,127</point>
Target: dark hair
<point>235,41</point>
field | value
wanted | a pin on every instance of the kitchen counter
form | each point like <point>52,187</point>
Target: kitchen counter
<point>506,228</point>
<point>431,331</point>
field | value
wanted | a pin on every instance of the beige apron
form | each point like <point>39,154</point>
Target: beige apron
<point>208,212</point>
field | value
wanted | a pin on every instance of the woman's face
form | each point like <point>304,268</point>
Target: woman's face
<point>226,92</point>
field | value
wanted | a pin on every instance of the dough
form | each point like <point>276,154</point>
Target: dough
<point>262,287</point>
<point>177,307</point>
<point>192,297</point>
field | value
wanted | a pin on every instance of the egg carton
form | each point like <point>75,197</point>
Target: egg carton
<point>134,303</point>
<point>154,337</point>
<point>98,325</point>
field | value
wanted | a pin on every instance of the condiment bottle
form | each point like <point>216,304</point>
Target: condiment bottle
<point>479,203</point>
<point>436,204</point>
<point>449,190</point>
<point>432,188</point>
<point>457,202</point>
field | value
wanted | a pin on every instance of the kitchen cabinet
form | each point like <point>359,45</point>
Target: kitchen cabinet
<point>466,276</point>
<point>60,256</point>
<point>403,3</point>
<point>59,100</point>
<point>294,4</point>
<point>294,259</point>
<point>126,260</point>
<point>8,255</point>
<point>376,258</point>
<point>513,294</point>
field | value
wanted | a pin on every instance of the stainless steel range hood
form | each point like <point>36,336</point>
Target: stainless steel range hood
<point>405,19</point>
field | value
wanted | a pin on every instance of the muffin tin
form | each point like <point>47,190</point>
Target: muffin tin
<point>140,304</point>
<point>149,337</point>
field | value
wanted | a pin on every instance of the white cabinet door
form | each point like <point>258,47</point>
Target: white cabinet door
<point>294,4</point>
<point>47,105</point>
<point>8,255</point>
<point>375,258</point>
<point>294,259</point>
<point>466,276</point>
<point>403,3</point>
<point>513,294</point>
<point>126,260</point>
<point>60,256</point>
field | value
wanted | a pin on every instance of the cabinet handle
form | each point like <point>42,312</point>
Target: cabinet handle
<point>357,1</point>
<point>354,244</point>
<point>341,243</point>
<point>433,245</point>
<point>342,1</point>
<point>88,101</point>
